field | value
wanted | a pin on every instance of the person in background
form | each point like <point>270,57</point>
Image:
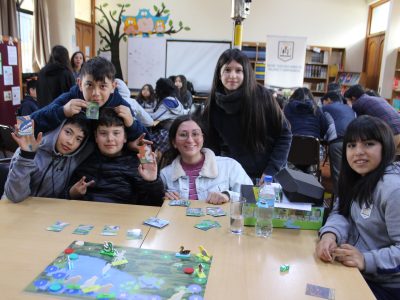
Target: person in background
<point>304,115</point>
<point>364,104</point>
<point>29,103</point>
<point>42,167</point>
<point>363,230</point>
<point>194,172</point>
<point>342,115</point>
<point>147,98</point>
<point>55,77</point>
<point>77,60</point>
<point>112,173</point>
<point>137,109</point>
<point>168,108</point>
<point>335,87</point>
<point>184,96</point>
<point>236,118</point>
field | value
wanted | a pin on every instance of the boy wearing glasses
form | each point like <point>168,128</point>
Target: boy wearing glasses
<point>112,173</point>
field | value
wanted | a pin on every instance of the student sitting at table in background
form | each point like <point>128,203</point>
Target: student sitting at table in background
<point>95,84</point>
<point>138,110</point>
<point>29,103</point>
<point>184,95</point>
<point>112,173</point>
<point>42,167</point>
<point>195,172</point>
<point>147,98</point>
<point>363,230</point>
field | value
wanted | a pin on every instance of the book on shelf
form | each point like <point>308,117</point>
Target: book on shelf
<point>347,78</point>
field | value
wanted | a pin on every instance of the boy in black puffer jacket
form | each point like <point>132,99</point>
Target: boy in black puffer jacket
<point>112,173</point>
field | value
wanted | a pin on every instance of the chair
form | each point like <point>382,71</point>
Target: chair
<point>4,166</point>
<point>304,154</point>
<point>7,143</point>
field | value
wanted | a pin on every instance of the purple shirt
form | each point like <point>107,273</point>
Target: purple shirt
<point>193,172</point>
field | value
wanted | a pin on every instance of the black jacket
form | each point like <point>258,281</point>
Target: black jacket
<point>28,106</point>
<point>54,79</point>
<point>117,180</point>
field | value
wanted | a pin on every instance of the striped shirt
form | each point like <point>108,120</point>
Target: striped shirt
<point>193,172</point>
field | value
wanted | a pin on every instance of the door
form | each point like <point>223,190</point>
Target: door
<point>373,59</point>
<point>85,38</point>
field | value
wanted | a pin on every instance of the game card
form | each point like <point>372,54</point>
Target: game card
<point>215,211</point>
<point>156,222</point>
<point>145,156</point>
<point>319,291</point>
<point>194,212</point>
<point>185,203</point>
<point>83,229</point>
<point>110,230</point>
<point>92,111</point>
<point>25,126</point>
<point>207,224</point>
<point>134,234</point>
<point>57,226</point>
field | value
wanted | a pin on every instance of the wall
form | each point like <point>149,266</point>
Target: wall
<point>336,23</point>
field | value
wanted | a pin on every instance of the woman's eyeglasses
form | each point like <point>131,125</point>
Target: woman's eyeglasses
<point>184,135</point>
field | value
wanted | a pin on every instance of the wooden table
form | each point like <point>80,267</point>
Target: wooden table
<point>26,247</point>
<point>248,267</point>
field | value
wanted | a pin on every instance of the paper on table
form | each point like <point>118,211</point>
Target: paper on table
<point>285,203</point>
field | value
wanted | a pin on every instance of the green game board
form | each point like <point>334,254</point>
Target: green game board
<point>148,274</point>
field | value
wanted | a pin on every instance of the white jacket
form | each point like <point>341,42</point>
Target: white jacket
<point>218,174</point>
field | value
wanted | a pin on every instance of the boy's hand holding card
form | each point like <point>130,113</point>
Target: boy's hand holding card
<point>92,111</point>
<point>25,126</point>
<point>145,156</point>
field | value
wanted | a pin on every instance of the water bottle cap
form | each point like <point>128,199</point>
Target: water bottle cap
<point>267,178</point>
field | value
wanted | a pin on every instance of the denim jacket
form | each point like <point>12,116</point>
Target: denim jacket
<point>218,174</point>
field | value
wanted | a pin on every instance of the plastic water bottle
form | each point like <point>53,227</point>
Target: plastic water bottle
<point>265,208</point>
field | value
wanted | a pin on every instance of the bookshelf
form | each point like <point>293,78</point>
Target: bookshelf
<point>396,83</point>
<point>316,69</point>
<point>347,79</point>
<point>256,53</point>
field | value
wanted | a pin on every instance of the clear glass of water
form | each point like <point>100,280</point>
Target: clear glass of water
<point>236,214</point>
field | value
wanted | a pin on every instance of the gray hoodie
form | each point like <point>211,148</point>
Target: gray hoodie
<point>44,174</point>
<point>375,233</point>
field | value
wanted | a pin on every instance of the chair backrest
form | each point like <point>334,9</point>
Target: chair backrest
<point>304,150</point>
<point>7,143</point>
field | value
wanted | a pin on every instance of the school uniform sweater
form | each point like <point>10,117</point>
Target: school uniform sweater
<point>375,233</point>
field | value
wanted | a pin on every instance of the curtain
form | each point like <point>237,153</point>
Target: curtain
<point>41,35</point>
<point>8,18</point>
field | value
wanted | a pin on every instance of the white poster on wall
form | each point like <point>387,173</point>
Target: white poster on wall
<point>285,59</point>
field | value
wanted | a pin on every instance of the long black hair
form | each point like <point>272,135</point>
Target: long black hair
<point>73,62</point>
<point>261,117</point>
<point>353,186</point>
<point>59,54</point>
<point>140,99</point>
<point>183,90</point>
<point>303,94</point>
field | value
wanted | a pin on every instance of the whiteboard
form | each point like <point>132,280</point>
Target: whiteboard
<point>196,60</point>
<point>146,61</point>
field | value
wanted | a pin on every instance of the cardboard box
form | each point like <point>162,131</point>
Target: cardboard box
<point>283,217</point>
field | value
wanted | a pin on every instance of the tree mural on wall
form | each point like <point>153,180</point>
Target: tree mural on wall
<point>143,24</point>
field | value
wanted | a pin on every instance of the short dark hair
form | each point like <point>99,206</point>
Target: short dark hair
<point>31,84</point>
<point>99,67</point>
<point>355,91</point>
<point>164,88</point>
<point>333,95</point>
<point>81,121</point>
<point>108,117</point>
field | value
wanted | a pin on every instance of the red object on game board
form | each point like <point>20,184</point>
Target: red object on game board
<point>188,270</point>
<point>69,251</point>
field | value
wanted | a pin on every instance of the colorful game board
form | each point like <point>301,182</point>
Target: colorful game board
<point>94,271</point>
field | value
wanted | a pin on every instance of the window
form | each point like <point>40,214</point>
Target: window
<point>379,18</point>
<point>25,27</point>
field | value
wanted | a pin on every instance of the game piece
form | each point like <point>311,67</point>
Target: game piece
<point>207,224</point>
<point>69,251</point>
<point>134,234</point>
<point>110,230</point>
<point>188,270</point>
<point>108,249</point>
<point>145,155</point>
<point>79,243</point>
<point>203,255</point>
<point>57,226</point>
<point>83,229</point>
<point>184,203</point>
<point>25,125</point>
<point>55,287</point>
<point>284,268</point>
<point>319,291</point>
<point>119,258</point>
<point>73,256</point>
<point>200,272</point>
<point>194,212</point>
<point>92,110</point>
<point>156,222</point>
<point>183,253</point>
